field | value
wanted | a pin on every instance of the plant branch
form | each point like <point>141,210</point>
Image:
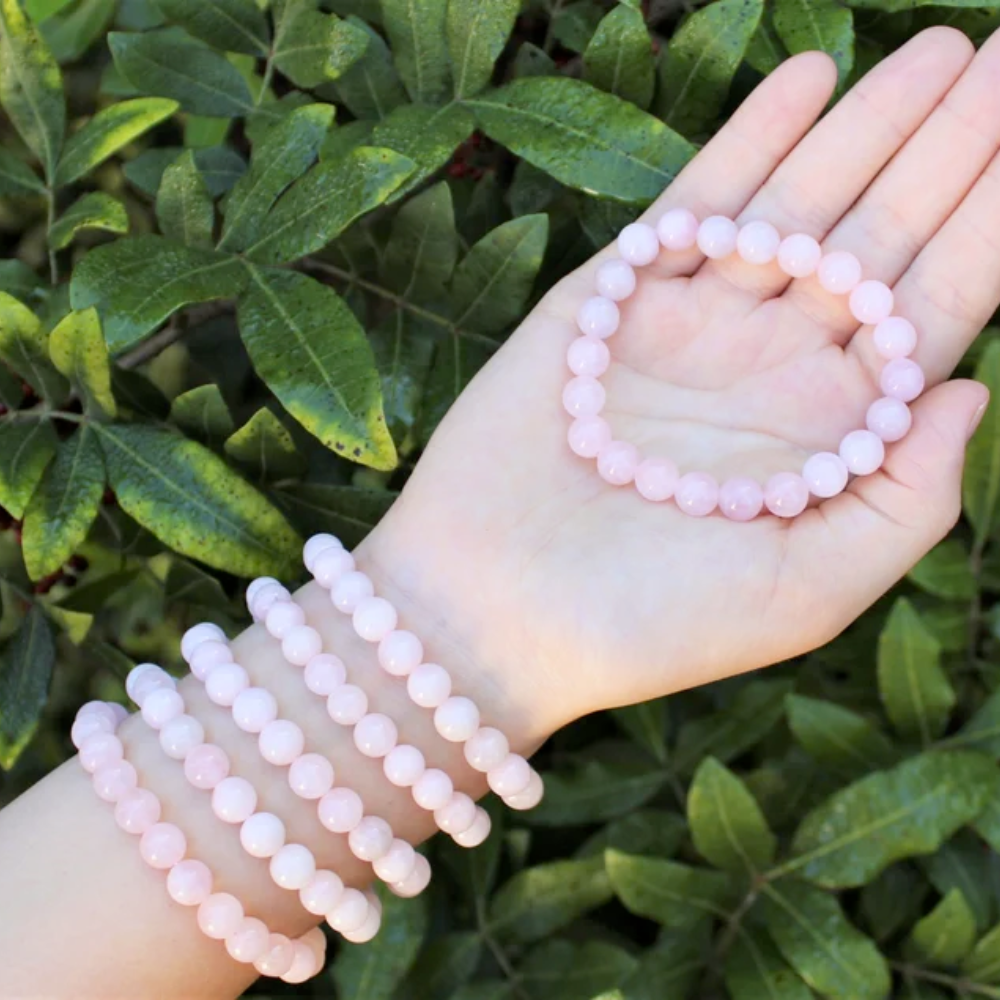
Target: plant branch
<point>958,984</point>
<point>179,324</point>
<point>50,196</point>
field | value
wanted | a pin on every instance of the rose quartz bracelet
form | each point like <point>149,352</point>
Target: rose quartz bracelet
<point>310,775</point>
<point>163,846</point>
<point>234,800</point>
<point>786,494</point>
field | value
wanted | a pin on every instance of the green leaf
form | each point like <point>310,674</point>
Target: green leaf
<point>962,864</point>
<point>583,137</point>
<point>78,350</point>
<point>420,256</point>
<point>765,53</point>
<point>570,970</point>
<point>371,88</point>
<point>193,502</point>
<point>202,414</point>
<point>619,57</point>
<point>168,63</point>
<point>911,810</point>
<point>26,448</point>
<point>671,967</point>
<point>11,391</point>
<point>231,25</point>
<point>184,206</point>
<point>981,480</point>
<point>727,826</point>
<point>25,673</point>
<point>187,584</point>
<point>495,278</point>
<point>69,35</point>
<point>95,210</point>
<point>344,138</point>
<point>755,969</point>
<point>138,283</point>
<point>416,30</point>
<point>311,351</point>
<point>448,962</point>
<point>31,86</point>
<point>915,690</point>
<point>220,166</point>
<point>653,832</point>
<point>541,900</point>
<point>25,347</point>
<point>946,572</point>
<point>533,61</point>
<point>65,504</point>
<point>987,823</point>
<point>456,361</point>
<point>16,177</point>
<point>574,24</point>
<point>834,735</point>
<point>893,901</point>
<point>532,190</point>
<point>805,25</point>
<point>982,731</point>
<point>287,151</point>
<point>828,952</point>
<point>646,723</point>
<point>983,965</point>
<point>311,48</point>
<point>345,511</point>
<point>41,10</point>
<point>265,447</point>
<point>946,935</point>
<point>477,33</point>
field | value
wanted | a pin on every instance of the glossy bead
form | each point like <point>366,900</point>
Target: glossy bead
<point>456,815</point>
<point>397,862</point>
<point>741,499</point>
<point>160,706</point>
<point>347,705</point>
<point>255,587</point>
<point>895,337</point>
<point>598,317</point>
<point>656,479</point>
<point>615,279</point>
<point>283,617</point>
<point>617,463</point>
<point>280,742</point>
<point>262,835</point>
<point>145,678</point>
<point>399,652</point>
<point>208,655</point>
<point>249,941</point>
<point>456,719</point>
<point>277,957</point>
<point>486,749</point>
<point>310,776</point>
<point>889,418</point>
<point>530,797</point>
<point>350,590</point>
<point>370,839</point>
<point>84,727</point>
<point>114,781</point>
<point>638,244</point>
<point>316,940</point>
<point>416,882</point>
<point>428,685</point>
<point>99,709</point>
<point>320,894</point>
<point>234,799</point>
<point>374,618</point>
<point>871,302</point>
<point>181,735</point>
<point>717,237</point>
<point>324,674</point>
<point>137,811</point>
<point>220,915</point>
<point>293,866</point>
<point>839,272</point>
<point>368,929</point>
<point>588,356</point>
<point>195,636</point>
<point>476,833</point>
<point>786,494</point>
<point>403,764</point>
<point>375,734</point>
<point>902,379</point>
<point>304,964</point>
<point>697,494</point>
<point>225,682</point>
<point>825,474</point>
<point>120,712</point>
<point>863,452</point>
<point>301,644</point>
<point>432,789</point>
<point>266,598</point>
<point>206,765</point>
<point>331,565</point>
<point>340,810</point>
<point>317,544</point>
<point>799,255</point>
<point>511,776</point>
<point>588,435</point>
<point>583,396</point>
<point>254,708</point>
<point>350,912</point>
<point>189,882</point>
<point>100,750</point>
<point>677,229</point>
<point>162,845</point>
<point>758,242</point>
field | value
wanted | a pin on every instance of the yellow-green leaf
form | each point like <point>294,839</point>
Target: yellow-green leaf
<point>202,414</point>
<point>983,965</point>
<point>264,445</point>
<point>78,350</point>
<point>311,47</point>
<point>95,210</point>
<point>946,935</point>
<point>25,347</point>
<point>26,448</point>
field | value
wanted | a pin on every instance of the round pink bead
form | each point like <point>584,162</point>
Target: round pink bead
<point>189,882</point>
<point>697,494</point>
<point>889,418</point>
<point>310,776</point>
<point>456,719</point>
<point>255,587</point>
<point>254,708</point>
<point>208,655</point>
<point>825,474</point>
<point>416,882</point>
<point>486,749</point>
<point>368,929</point>
<point>304,965</point>
<point>871,302</point>
<point>219,915</point>
<point>347,705</point>
<point>397,863</point>
<point>863,452</point>
<point>249,941</point>
<point>638,244</point>
<point>617,463</point>
<point>114,781</point>
<point>476,833</point>
<point>120,712</point>
<point>137,811</point>
<point>181,735</point>
<point>340,810</point>
<point>510,777</point>
<point>324,674</point>
<point>262,835</point>
<point>839,272</point>
<point>758,242</point>
<point>741,499</point>
<point>588,356</point>
<point>195,636</point>
<point>100,750</point>
<point>403,765</point>
<point>786,494</point>
<point>317,544</point>
<point>87,726</point>
<point>456,815</point>
<point>583,396</point>
<point>902,379</point>
<point>225,682</point>
<point>350,590</point>
<point>374,618</point>
<point>350,912</point>
<point>331,565</point>
<point>206,765</point>
<point>399,652</point>
<point>432,789</point>
<point>301,644</point>
<point>277,959</point>
<point>530,797</point>
<point>319,896</point>
<point>588,435</point>
<point>656,479</point>
<point>428,685</point>
<point>266,598</point>
<point>375,734</point>
<point>148,677</point>
<point>161,706</point>
<point>799,255</point>
<point>293,867</point>
<point>99,709</point>
<point>234,800</point>
<point>316,940</point>
<point>598,317</point>
<point>162,845</point>
<point>717,237</point>
<point>895,337</point>
<point>283,617</point>
<point>615,279</point>
<point>677,229</point>
<point>280,742</point>
<point>370,839</point>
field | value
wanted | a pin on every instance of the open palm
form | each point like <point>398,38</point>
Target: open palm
<point>728,367</point>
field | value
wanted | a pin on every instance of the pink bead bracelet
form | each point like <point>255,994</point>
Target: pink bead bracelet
<point>785,494</point>
<point>163,846</point>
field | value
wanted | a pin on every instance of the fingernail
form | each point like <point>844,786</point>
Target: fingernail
<point>977,418</point>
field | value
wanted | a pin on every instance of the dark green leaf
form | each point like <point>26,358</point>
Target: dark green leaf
<point>574,24</point>
<point>571,970</point>
<point>982,731</point>
<point>346,511</point>
<point>671,967</point>
<point>602,220</point>
<point>202,414</point>
<point>983,965</point>
<point>981,481</point>
<point>755,969</point>
<point>20,281</point>
<point>653,832</point>
<point>16,177</point>
<point>26,448</point>
<point>532,190</point>
<point>95,210</point>
<point>422,249</point>
<point>837,736</point>
<point>416,30</point>
<point>447,963</point>
<point>893,900</point>
<point>344,138</point>
<point>946,571</point>
<point>138,394</point>
<point>371,88</point>
<point>184,206</point>
<point>25,347</point>
<point>11,391</point>
<point>232,25</point>
<point>25,672</point>
<point>477,33</point>
<point>456,361</point>
<point>263,445</point>
<point>805,25</point>
<point>765,53</point>
<point>946,935</point>
<point>69,35</point>
<point>78,350</point>
<point>962,864</point>
<point>646,723</point>
<point>619,58</point>
<point>187,584</point>
<point>533,61</point>
<point>987,823</point>
<point>311,48</point>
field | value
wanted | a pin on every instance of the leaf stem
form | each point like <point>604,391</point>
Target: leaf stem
<point>50,196</point>
<point>266,82</point>
<point>497,950</point>
<point>959,985</point>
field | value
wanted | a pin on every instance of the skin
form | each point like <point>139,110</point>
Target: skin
<point>549,594</point>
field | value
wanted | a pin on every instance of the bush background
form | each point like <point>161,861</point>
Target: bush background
<point>250,253</point>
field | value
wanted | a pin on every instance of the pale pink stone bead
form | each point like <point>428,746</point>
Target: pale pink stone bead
<point>88,726</point>
<point>265,599</point>
<point>403,765</point>
<point>588,435</point>
<point>254,587</point>
<point>871,302</point>
<point>220,915</point>
<point>428,685</point>
<point>799,255</point>
<point>615,279</point>
<point>205,766</point>
<point>839,272</point>
<point>310,776</point>
<point>324,674</point>
<point>432,789</point>
<point>416,882</point>
<point>374,618</point>
<point>863,452</point>
<point>598,317</point>
<point>456,815</point>
<point>254,708</point>
<point>347,705</point>
<point>189,882</point>
<point>137,811</point>
<point>277,959</point>
<point>476,833</point>
<point>280,742</point>
<point>304,965</point>
<point>717,237</point>
<point>697,494</point>
<point>234,799</point>
<point>293,867</point>
<point>617,463</point>
<point>456,719</point>
<point>316,941</point>
<point>588,356</point>
<point>638,244</point>
<point>262,835</point>
<point>350,590</point>
<point>162,845</point>
<point>152,679</point>
<point>340,810</point>
<point>825,474</point>
<point>121,713</point>
<point>758,242</point>
<point>895,337</point>
<point>677,229</point>
<point>889,418</point>
<point>350,912</point>
<point>530,797</point>
<point>319,896</point>
<point>99,709</point>
<point>225,682</point>
<point>656,479</point>
<point>397,863</point>
<point>510,777</point>
<point>367,930</point>
<point>114,781</point>
<point>317,544</point>
<point>486,749</point>
<point>331,565</point>
<point>741,498</point>
<point>100,750</point>
<point>399,652</point>
<point>902,379</point>
<point>181,735</point>
<point>283,617</point>
<point>197,634</point>
<point>583,396</point>
<point>160,706</point>
<point>208,655</point>
<point>249,941</point>
<point>370,839</point>
<point>786,494</point>
<point>375,734</point>
<point>301,644</point>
